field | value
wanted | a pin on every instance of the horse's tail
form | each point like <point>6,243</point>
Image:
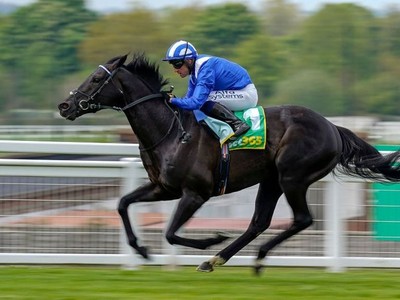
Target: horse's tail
<point>358,158</point>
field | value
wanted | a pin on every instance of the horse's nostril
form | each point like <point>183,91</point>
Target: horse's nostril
<point>63,106</point>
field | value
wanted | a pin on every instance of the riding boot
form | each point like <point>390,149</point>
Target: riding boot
<point>222,113</point>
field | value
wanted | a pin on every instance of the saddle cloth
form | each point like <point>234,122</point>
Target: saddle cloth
<point>255,138</point>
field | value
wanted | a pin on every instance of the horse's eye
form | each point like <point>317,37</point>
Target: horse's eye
<point>96,80</point>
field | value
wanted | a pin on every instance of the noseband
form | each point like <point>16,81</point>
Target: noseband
<point>88,102</point>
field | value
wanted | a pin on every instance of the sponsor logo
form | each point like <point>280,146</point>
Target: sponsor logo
<point>247,141</point>
<point>226,95</point>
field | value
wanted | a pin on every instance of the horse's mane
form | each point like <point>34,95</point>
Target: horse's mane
<point>148,71</point>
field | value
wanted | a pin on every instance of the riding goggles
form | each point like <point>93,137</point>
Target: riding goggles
<point>177,63</point>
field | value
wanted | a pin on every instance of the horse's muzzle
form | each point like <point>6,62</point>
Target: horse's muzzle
<point>63,106</point>
<point>66,111</point>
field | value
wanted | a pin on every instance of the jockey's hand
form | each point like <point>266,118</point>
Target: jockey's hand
<point>171,96</point>
<point>168,96</point>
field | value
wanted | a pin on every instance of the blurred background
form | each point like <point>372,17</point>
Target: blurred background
<point>340,59</point>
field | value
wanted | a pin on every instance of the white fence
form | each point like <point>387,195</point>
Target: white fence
<point>372,128</point>
<point>43,132</point>
<point>64,211</point>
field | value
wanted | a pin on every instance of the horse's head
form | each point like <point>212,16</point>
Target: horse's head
<point>100,90</point>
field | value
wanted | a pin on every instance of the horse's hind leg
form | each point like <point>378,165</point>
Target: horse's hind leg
<point>296,197</point>
<point>267,198</point>
<point>187,206</point>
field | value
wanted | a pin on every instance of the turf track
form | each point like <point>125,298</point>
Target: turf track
<point>226,283</point>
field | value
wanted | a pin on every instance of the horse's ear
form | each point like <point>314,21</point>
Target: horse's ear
<point>122,60</point>
<point>118,61</point>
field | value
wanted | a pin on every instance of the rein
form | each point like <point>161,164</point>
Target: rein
<point>140,100</point>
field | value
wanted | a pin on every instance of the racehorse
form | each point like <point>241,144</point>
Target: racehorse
<point>182,158</point>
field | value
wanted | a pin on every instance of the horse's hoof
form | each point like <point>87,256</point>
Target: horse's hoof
<point>143,251</point>
<point>258,268</point>
<point>205,267</point>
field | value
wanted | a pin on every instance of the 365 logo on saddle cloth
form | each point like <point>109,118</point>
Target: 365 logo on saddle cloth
<point>256,137</point>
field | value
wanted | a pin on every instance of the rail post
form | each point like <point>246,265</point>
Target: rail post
<point>334,226</point>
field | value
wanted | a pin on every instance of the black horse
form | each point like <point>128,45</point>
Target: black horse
<point>302,147</point>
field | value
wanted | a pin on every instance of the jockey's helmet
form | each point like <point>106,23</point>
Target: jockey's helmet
<point>180,50</point>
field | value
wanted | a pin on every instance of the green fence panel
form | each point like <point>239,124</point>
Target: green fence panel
<point>386,208</point>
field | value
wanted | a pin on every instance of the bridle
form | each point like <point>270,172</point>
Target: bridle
<point>89,103</point>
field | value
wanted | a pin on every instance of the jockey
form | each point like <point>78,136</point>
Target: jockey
<point>216,85</point>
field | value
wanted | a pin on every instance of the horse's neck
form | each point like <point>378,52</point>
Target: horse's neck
<point>152,122</point>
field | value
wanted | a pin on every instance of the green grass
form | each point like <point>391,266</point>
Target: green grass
<point>226,283</point>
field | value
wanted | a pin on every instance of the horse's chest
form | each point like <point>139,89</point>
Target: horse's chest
<point>171,170</point>
<point>165,171</point>
<point>172,167</point>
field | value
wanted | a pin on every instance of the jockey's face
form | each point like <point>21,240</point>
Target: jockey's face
<point>184,70</point>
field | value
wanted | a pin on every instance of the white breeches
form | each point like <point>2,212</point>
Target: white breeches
<point>236,99</point>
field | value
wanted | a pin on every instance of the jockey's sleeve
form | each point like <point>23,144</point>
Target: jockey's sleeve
<point>201,90</point>
<point>191,86</point>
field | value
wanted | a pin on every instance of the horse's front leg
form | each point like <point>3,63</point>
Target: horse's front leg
<point>147,193</point>
<point>187,206</point>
